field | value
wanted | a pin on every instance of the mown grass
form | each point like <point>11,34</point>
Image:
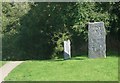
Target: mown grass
<point>76,69</point>
<point>2,63</point>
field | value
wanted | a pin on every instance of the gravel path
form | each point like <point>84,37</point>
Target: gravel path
<point>7,68</point>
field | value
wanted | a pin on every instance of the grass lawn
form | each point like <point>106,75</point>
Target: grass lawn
<point>77,69</point>
<point>2,63</point>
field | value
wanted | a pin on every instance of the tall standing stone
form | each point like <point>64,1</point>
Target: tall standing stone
<point>67,50</point>
<point>96,40</point>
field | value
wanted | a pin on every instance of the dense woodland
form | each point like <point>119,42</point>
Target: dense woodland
<point>37,30</point>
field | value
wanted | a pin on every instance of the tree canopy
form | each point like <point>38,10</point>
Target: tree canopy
<point>37,30</point>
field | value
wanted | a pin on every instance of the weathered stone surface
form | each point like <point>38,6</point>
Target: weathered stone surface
<point>96,40</point>
<point>67,49</point>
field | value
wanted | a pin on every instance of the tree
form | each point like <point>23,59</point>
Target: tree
<point>11,14</point>
<point>39,29</point>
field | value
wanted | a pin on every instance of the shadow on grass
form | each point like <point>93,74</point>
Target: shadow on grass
<point>74,58</point>
<point>61,59</point>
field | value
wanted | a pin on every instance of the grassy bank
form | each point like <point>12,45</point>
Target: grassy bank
<point>76,69</point>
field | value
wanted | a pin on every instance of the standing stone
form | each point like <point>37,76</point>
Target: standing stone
<point>96,40</point>
<point>67,50</point>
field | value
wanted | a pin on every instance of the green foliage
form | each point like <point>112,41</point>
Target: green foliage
<point>45,36</point>
<point>37,30</point>
<point>113,9</point>
<point>11,14</point>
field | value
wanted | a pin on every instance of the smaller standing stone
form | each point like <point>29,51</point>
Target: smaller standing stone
<point>67,50</point>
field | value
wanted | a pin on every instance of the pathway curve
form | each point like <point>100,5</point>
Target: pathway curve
<point>7,68</point>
